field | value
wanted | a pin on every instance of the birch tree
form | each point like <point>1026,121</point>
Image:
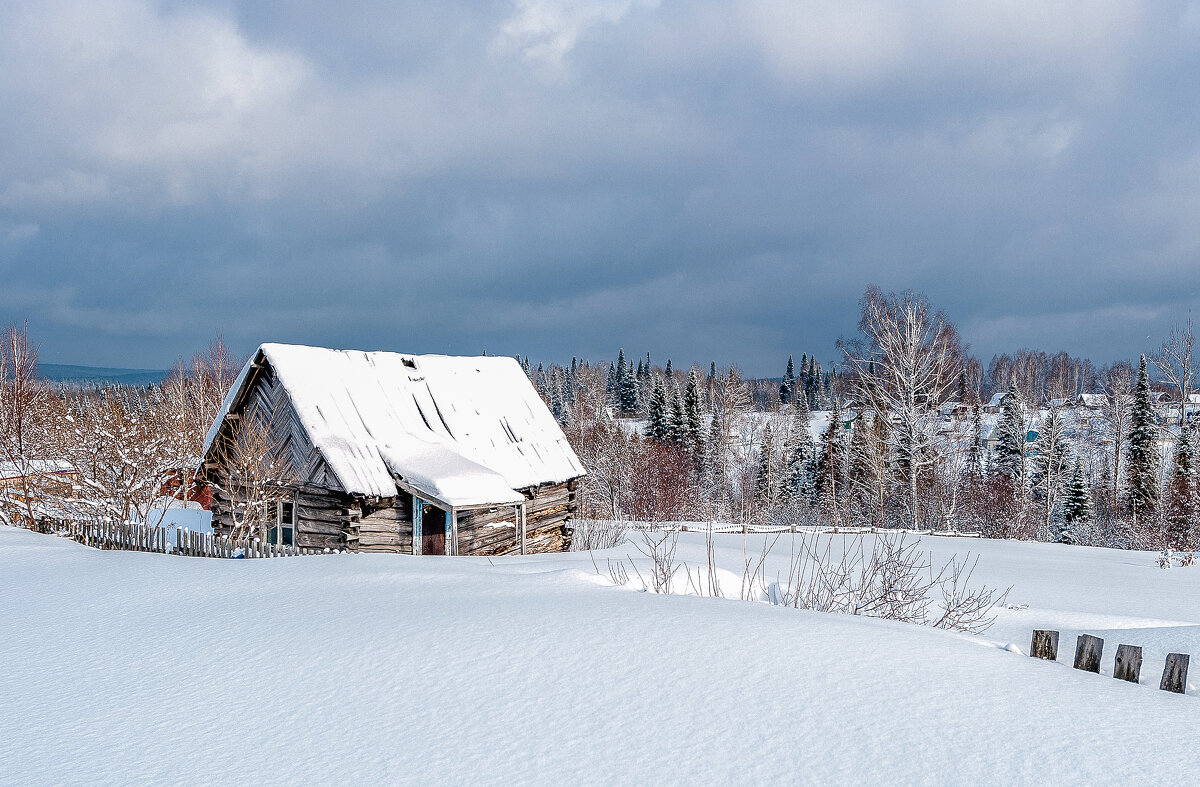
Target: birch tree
<point>905,364</point>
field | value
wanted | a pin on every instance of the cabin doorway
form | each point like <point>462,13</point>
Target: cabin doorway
<point>433,530</point>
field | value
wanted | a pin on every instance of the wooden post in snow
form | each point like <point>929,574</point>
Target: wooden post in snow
<point>1044,645</point>
<point>1128,665</point>
<point>1175,673</point>
<point>1088,650</point>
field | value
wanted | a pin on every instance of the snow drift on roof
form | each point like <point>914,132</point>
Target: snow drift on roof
<point>466,430</point>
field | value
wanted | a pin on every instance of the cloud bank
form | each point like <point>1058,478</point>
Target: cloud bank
<point>704,179</point>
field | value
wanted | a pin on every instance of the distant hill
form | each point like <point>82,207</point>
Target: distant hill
<point>65,373</point>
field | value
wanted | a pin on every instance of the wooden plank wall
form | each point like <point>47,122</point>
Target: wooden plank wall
<point>548,511</point>
<point>326,517</point>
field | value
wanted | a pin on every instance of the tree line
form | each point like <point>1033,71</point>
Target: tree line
<point>905,429</point>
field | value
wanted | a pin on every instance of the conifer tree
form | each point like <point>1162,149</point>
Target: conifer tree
<point>1010,443</point>
<point>1182,503</point>
<point>798,469</point>
<point>788,386</point>
<point>767,482</point>
<point>713,467</point>
<point>694,441</point>
<point>974,471</point>
<point>712,371</point>
<point>869,466</point>
<point>1077,506</point>
<point>656,428</point>
<point>830,475</point>
<point>677,423</point>
<point>1142,455</point>
<point>669,371</point>
<point>626,385</point>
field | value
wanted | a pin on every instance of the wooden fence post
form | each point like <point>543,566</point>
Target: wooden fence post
<point>1044,645</point>
<point>1175,673</point>
<point>1087,653</point>
<point>1128,665</point>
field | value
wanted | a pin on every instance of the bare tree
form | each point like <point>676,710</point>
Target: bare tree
<point>1174,363</point>
<point>22,396</point>
<point>1117,381</point>
<point>906,364</point>
<point>252,476</point>
<point>1051,465</point>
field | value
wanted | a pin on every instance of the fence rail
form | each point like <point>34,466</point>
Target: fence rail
<point>719,527</point>
<point>187,543</point>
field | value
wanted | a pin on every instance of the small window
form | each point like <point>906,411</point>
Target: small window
<point>284,530</point>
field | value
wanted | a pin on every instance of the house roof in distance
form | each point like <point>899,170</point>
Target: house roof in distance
<point>464,430</point>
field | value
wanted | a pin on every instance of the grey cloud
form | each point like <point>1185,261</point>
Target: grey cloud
<point>702,179</point>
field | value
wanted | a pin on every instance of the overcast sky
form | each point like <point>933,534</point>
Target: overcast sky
<point>707,180</point>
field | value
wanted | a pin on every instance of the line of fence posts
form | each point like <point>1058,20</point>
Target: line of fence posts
<point>104,534</point>
<point>1127,664</point>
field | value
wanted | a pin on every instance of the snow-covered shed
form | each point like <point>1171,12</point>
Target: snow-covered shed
<point>385,452</point>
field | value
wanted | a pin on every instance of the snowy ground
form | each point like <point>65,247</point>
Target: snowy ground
<point>137,668</point>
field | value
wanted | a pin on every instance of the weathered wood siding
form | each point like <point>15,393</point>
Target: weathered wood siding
<point>493,531</point>
<point>329,518</point>
<point>384,526</point>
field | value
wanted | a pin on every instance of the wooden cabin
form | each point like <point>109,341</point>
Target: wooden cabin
<point>384,452</point>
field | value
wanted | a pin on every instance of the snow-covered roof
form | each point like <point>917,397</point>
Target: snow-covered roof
<point>464,430</point>
<point>995,400</point>
<point>1092,400</point>
<point>13,470</point>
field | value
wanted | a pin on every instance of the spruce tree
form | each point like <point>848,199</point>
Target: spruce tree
<point>669,371</point>
<point>712,371</point>
<point>800,453</point>
<point>788,386</point>
<point>1077,506</point>
<point>1182,503</point>
<point>830,475</point>
<point>694,442</point>
<point>975,450</point>
<point>767,484</point>
<point>626,385</point>
<point>713,467</point>
<point>1010,443</point>
<point>1142,454</point>
<point>677,423</point>
<point>656,428</point>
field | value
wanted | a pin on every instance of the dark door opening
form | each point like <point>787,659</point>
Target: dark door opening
<point>433,530</point>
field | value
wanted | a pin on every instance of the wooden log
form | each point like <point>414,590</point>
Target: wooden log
<point>1044,645</point>
<point>1128,664</point>
<point>1174,677</point>
<point>1088,650</point>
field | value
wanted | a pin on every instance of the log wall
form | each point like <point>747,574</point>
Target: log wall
<point>327,518</point>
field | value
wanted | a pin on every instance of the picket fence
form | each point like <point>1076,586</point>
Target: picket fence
<point>187,543</point>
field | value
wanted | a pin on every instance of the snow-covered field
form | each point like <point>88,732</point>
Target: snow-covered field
<point>137,668</point>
